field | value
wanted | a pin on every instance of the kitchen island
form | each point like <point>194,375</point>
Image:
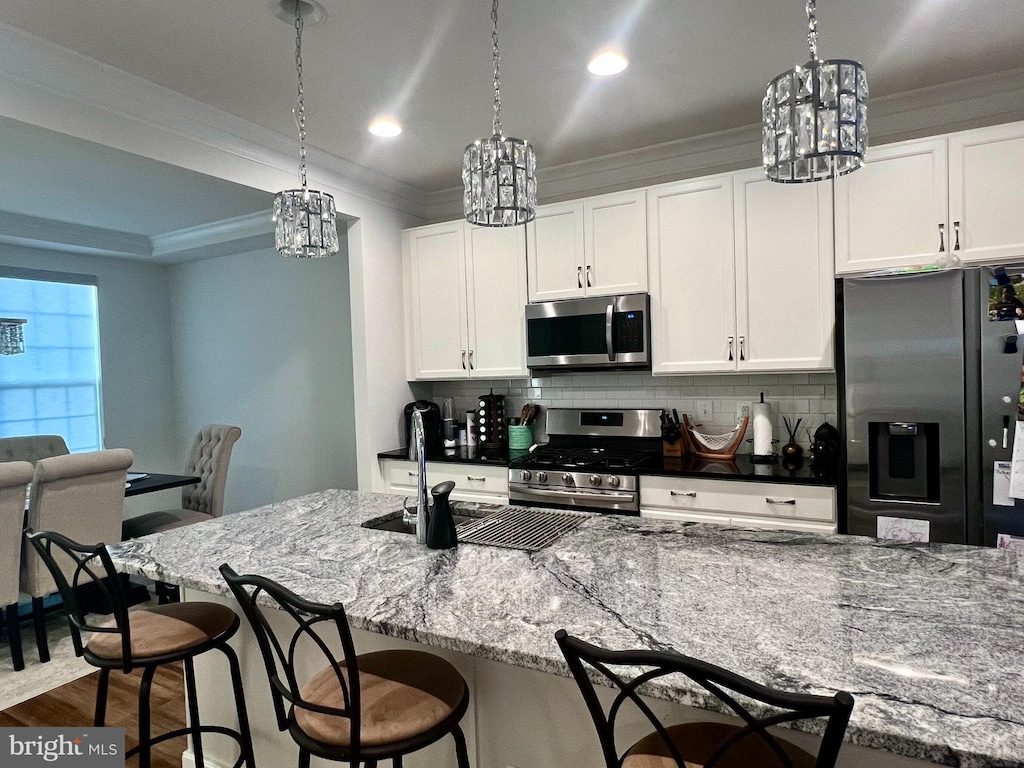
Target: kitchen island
<point>927,638</point>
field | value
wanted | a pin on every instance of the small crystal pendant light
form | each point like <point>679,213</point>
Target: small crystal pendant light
<point>12,335</point>
<point>305,219</point>
<point>499,173</point>
<point>815,117</point>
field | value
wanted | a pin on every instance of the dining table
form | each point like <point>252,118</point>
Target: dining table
<point>150,482</point>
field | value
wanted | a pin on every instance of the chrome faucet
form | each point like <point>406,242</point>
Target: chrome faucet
<point>418,445</point>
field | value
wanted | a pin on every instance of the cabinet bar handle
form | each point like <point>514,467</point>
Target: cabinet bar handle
<point>476,479</point>
<point>730,349</point>
<point>956,231</point>
<point>471,366</point>
<point>687,494</point>
<point>742,339</point>
<point>770,500</point>
<point>942,238</point>
<point>579,277</point>
<point>412,474</point>
<point>463,359</point>
<point>589,285</point>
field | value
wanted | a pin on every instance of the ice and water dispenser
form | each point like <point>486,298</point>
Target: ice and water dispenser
<point>903,461</point>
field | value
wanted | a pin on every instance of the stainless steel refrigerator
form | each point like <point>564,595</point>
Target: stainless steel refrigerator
<point>930,385</point>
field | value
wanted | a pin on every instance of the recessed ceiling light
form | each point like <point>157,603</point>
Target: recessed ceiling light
<point>385,127</point>
<point>607,63</point>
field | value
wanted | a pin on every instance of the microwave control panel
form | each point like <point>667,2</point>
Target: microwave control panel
<point>628,331</point>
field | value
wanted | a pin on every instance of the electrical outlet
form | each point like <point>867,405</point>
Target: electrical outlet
<point>705,409</point>
<point>743,410</point>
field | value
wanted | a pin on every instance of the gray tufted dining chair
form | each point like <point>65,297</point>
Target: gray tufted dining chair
<point>32,448</point>
<point>14,479</point>
<point>209,459</point>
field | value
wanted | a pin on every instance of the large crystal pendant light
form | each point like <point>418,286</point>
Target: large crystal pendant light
<point>499,173</point>
<point>815,117</point>
<point>12,335</point>
<point>306,226</point>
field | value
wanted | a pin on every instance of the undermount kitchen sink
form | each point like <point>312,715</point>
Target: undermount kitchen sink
<point>394,521</point>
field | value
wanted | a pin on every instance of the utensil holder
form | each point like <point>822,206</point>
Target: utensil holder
<point>519,437</point>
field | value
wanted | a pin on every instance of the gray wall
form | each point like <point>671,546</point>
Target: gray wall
<point>136,357</point>
<point>265,343</point>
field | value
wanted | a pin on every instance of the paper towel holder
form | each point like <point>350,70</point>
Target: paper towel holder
<point>763,458</point>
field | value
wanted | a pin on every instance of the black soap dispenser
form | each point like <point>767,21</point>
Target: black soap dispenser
<point>441,528</point>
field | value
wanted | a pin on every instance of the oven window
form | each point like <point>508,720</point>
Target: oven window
<point>575,335</point>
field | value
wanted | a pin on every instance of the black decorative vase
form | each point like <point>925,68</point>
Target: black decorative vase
<point>792,451</point>
<point>441,528</point>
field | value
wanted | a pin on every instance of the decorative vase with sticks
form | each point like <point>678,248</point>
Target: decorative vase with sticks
<point>792,449</point>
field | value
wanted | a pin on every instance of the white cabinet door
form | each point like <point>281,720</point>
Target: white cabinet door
<point>986,192</point>
<point>888,213</point>
<point>554,247</point>
<point>693,310</point>
<point>496,300</point>
<point>435,287</point>
<point>615,227</point>
<point>784,274</point>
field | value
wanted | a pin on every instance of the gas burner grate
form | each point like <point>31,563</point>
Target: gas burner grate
<point>528,529</point>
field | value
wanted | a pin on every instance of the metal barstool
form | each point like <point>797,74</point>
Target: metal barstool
<point>145,638</point>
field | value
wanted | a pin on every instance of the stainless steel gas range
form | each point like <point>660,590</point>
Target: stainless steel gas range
<point>591,462</point>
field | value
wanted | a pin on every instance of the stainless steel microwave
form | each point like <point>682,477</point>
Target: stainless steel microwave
<point>610,332</point>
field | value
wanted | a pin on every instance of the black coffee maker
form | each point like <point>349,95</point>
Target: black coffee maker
<point>432,435</point>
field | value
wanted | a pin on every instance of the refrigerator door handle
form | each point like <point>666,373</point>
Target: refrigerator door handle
<point>1006,431</point>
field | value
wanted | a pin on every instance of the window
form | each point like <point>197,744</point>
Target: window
<point>54,387</point>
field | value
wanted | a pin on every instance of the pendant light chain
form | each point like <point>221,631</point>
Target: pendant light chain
<point>300,109</point>
<point>812,28</point>
<point>497,66</point>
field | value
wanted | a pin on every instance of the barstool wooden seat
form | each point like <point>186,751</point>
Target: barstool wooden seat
<point>702,744</point>
<point>376,706</point>
<point>145,638</point>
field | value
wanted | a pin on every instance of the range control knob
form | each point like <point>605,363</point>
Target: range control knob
<point>542,477</point>
<point>567,478</point>
<point>595,479</point>
<point>613,481</point>
<point>525,475</point>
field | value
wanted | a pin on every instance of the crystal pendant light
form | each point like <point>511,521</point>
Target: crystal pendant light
<point>815,117</point>
<point>499,173</point>
<point>12,335</point>
<point>306,219</point>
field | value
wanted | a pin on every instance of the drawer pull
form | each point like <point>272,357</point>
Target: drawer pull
<point>687,494</point>
<point>412,474</point>
<point>770,500</point>
<point>476,479</point>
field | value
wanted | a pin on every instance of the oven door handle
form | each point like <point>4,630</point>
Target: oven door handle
<point>579,494</point>
<point>608,320</point>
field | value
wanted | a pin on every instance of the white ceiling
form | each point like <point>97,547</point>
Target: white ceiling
<point>697,66</point>
<point>50,175</point>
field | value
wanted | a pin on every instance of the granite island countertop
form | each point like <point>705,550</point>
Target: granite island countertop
<point>927,638</point>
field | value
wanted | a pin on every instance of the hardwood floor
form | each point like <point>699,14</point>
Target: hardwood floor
<point>75,704</point>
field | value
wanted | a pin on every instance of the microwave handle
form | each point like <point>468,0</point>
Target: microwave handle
<point>608,318</point>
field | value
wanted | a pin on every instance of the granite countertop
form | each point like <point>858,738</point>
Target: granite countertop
<point>742,468</point>
<point>927,638</point>
<point>462,455</point>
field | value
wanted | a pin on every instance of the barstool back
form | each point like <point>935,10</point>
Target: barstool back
<point>71,565</point>
<point>280,657</point>
<point>783,707</point>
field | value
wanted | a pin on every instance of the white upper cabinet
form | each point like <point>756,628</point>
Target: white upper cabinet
<point>435,285</point>
<point>465,292</point>
<point>785,305</point>
<point>591,247</point>
<point>554,244</point>
<point>615,228</point>
<point>692,275</point>
<point>893,211</point>
<point>496,300</point>
<point>986,193</point>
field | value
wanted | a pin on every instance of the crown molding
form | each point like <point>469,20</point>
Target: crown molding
<point>42,77</point>
<point>170,246</point>
<point>35,232</point>
<point>945,108</point>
